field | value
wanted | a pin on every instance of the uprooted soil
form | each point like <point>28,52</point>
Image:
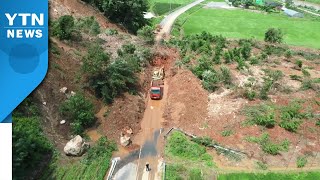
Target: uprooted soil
<point>196,111</point>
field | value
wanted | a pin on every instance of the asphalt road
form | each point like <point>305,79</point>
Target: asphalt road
<point>167,23</point>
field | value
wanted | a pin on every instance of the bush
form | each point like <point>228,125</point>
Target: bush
<point>147,34</point>
<point>63,27</point>
<point>305,73</point>
<point>250,94</point>
<point>288,54</point>
<point>273,36</point>
<point>246,50</point>
<point>210,80</point>
<point>226,75</point>
<point>301,161</point>
<point>262,165</point>
<point>96,61</point>
<point>111,32</point>
<point>226,133</point>
<point>263,115</point>
<point>291,117</point>
<point>268,146</point>
<point>299,63</point>
<point>89,25</point>
<point>80,111</point>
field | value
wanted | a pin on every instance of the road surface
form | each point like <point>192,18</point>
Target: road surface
<point>167,23</point>
<point>304,3</point>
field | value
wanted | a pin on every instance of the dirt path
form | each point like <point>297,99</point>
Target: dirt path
<point>167,23</point>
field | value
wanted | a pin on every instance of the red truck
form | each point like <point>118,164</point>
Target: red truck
<point>156,90</point>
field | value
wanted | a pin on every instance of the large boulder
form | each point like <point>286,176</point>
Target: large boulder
<point>124,140</point>
<point>75,147</point>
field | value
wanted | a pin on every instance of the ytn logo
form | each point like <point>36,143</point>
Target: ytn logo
<point>24,25</point>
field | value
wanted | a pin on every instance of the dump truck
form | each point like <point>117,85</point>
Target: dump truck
<point>156,90</point>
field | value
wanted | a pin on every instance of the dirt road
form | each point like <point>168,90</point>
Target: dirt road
<point>149,139</point>
<point>167,23</point>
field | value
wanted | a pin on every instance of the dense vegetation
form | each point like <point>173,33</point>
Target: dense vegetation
<point>180,149</point>
<point>111,78</point>
<point>129,13</point>
<point>95,163</point>
<point>31,149</point>
<point>79,111</point>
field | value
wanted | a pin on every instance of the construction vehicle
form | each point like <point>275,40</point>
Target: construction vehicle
<point>156,90</point>
<point>158,74</point>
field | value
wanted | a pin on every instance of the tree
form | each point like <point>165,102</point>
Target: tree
<point>79,111</point>
<point>96,61</point>
<point>273,36</point>
<point>63,27</point>
<point>127,12</point>
<point>147,34</point>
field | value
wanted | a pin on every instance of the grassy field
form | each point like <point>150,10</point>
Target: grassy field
<point>161,7</point>
<point>246,24</point>
<point>271,176</point>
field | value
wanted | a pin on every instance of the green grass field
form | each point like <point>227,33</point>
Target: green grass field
<point>271,176</point>
<point>161,7</point>
<point>246,24</point>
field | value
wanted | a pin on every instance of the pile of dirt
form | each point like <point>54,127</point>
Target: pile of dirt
<point>187,102</point>
<point>126,111</point>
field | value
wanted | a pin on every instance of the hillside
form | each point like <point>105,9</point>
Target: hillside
<point>258,101</point>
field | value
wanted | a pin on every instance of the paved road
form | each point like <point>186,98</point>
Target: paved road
<point>304,3</point>
<point>167,23</point>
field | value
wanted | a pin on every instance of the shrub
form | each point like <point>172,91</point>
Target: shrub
<point>301,161</point>
<point>254,61</point>
<point>273,36</point>
<point>296,77</point>
<point>96,61</point>
<point>288,54</point>
<point>263,115</point>
<point>318,123</point>
<point>111,32</point>
<point>228,56</point>
<point>291,117</point>
<point>261,165</point>
<point>63,27</point>
<point>250,94</point>
<point>195,174</point>
<point>89,25</point>
<point>147,34</point>
<point>299,63</point>
<point>305,72</point>
<point>246,50</point>
<point>226,75</point>
<point>241,64</point>
<point>226,133</point>
<point>79,111</point>
<point>210,80</point>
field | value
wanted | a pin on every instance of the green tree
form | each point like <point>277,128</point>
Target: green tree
<point>273,36</point>
<point>147,34</point>
<point>127,12</point>
<point>63,27</point>
<point>96,61</point>
<point>79,111</point>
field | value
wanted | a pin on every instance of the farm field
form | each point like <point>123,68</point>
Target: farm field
<point>245,24</point>
<point>270,175</point>
<point>161,7</point>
